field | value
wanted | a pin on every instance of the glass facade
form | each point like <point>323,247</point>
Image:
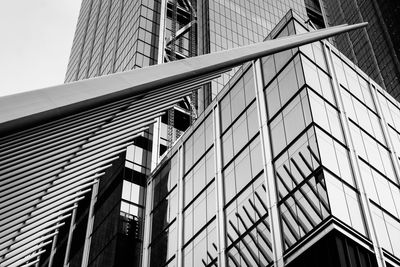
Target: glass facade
<point>113,36</point>
<point>237,23</point>
<point>375,48</point>
<point>297,145</point>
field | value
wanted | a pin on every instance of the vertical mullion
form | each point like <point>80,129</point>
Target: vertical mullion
<point>89,228</point>
<point>179,218</point>
<point>265,139</point>
<point>219,187</point>
<point>365,204</point>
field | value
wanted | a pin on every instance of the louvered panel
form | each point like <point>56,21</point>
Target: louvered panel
<point>34,178</point>
<point>15,261</point>
<point>85,164</point>
<point>34,223</point>
<point>40,231</point>
<point>25,259</point>
<point>28,219</point>
<point>30,263</point>
<point>16,249</point>
<point>102,112</point>
<point>54,206</point>
<point>47,147</point>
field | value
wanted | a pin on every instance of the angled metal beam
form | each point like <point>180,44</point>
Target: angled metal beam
<point>30,108</point>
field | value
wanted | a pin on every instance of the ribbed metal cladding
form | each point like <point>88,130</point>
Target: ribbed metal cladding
<point>46,170</point>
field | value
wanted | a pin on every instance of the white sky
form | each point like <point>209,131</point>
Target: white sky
<point>35,42</point>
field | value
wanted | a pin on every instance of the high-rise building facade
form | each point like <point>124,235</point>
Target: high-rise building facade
<point>119,35</point>
<point>294,163</point>
<point>374,49</point>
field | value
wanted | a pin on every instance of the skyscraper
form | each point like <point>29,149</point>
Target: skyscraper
<point>120,35</point>
<point>374,49</point>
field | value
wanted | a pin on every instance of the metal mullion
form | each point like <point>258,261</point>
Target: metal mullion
<point>353,157</point>
<point>221,219</point>
<point>268,167</point>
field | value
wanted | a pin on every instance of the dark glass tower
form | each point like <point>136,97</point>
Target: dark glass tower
<point>374,49</point>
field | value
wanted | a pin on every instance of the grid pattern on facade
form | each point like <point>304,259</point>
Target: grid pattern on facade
<point>326,121</point>
<point>372,49</point>
<point>113,36</point>
<point>237,23</point>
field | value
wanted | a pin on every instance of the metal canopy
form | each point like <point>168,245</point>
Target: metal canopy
<point>32,107</point>
<point>73,132</point>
